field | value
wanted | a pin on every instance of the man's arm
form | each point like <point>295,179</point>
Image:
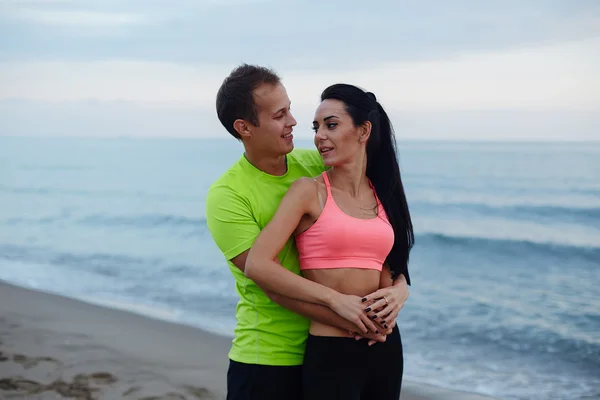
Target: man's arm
<point>267,273</point>
<point>234,230</point>
<point>312,311</point>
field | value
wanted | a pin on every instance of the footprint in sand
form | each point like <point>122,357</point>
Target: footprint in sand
<point>30,362</point>
<point>200,393</point>
<point>20,384</point>
<point>102,378</point>
<point>131,390</point>
<point>166,396</point>
<point>76,390</point>
<point>8,384</point>
<point>80,387</point>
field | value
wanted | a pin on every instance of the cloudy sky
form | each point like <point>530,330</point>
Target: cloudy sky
<point>444,69</point>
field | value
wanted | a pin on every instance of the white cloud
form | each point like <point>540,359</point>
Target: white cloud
<point>560,76</point>
<point>169,84</point>
<point>107,13</point>
<point>35,2</point>
<point>104,119</point>
<point>549,92</point>
<point>78,18</point>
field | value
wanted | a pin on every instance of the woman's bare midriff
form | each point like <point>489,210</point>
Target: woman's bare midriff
<point>356,281</point>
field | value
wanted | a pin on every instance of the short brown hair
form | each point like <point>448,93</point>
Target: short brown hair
<point>235,98</point>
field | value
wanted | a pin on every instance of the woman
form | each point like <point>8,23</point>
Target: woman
<point>354,233</point>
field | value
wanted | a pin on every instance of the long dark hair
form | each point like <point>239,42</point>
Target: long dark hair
<point>382,168</point>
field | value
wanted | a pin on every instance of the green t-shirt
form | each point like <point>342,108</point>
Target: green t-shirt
<point>238,205</point>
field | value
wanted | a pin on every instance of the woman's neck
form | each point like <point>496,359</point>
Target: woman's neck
<point>351,177</point>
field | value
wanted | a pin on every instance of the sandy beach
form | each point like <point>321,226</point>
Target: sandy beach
<point>53,347</point>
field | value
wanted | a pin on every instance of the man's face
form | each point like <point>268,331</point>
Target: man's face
<point>273,135</point>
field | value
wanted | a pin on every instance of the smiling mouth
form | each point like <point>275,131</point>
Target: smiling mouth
<point>325,150</point>
<point>287,135</point>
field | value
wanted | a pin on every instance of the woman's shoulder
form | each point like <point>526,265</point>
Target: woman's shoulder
<point>310,192</point>
<point>304,186</point>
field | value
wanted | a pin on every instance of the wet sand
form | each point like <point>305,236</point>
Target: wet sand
<point>53,347</point>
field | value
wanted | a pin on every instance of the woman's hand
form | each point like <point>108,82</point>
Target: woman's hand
<point>386,303</point>
<point>352,308</point>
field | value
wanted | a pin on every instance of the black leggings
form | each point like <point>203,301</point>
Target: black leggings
<point>343,368</point>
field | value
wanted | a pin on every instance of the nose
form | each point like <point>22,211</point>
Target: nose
<point>291,120</point>
<point>320,134</point>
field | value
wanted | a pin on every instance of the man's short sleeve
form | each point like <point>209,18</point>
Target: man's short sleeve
<point>230,221</point>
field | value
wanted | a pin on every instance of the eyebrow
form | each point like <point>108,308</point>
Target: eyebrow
<point>282,109</point>
<point>326,118</point>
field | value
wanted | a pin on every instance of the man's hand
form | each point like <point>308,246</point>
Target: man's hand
<point>314,312</point>
<point>372,337</point>
<point>384,305</point>
<point>351,308</point>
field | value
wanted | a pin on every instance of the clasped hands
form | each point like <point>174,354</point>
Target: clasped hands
<point>375,314</point>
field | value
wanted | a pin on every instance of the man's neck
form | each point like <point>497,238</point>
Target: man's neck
<point>276,166</point>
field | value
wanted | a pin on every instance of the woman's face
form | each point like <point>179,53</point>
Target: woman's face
<point>336,137</point>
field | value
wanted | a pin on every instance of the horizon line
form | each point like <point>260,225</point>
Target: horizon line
<point>300,139</point>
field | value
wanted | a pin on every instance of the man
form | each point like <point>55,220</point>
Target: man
<point>268,347</point>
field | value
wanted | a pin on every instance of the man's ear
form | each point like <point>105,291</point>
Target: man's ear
<point>242,128</point>
<point>365,131</point>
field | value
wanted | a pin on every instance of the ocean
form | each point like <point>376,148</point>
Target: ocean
<point>505,298</point>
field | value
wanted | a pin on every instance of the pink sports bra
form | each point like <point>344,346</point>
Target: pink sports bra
<point>338,240</point>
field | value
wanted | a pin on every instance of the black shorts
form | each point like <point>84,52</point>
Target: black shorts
<point>263,382</point>
<point>344,368</point>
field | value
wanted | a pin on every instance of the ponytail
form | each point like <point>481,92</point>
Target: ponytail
<point>384,172</point>
<point>382,169</point>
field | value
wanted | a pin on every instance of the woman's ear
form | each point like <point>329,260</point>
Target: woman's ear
<point>365,131</point>
<point>242,128</point>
